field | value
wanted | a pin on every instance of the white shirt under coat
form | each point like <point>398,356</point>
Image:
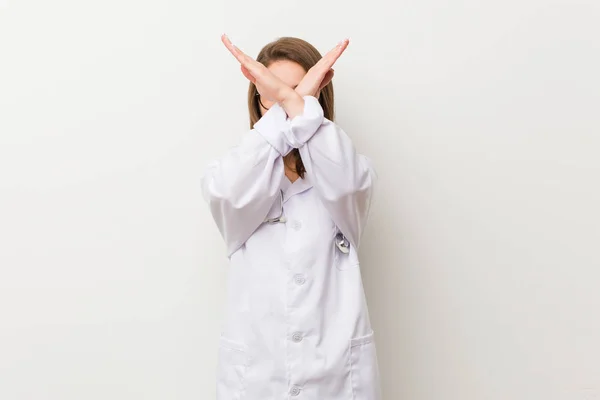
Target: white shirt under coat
<point>296,324</point>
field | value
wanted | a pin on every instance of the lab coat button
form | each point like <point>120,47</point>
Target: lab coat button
<point>297,337</point>
<point>297,225</point>
<point>299,279</point>
<point>295,391</point>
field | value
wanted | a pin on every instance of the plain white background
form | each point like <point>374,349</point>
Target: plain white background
<point>481,261</point>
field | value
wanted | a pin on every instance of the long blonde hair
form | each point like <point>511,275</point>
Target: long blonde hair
<point>306,55</point>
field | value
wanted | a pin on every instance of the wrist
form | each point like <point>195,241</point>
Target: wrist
<point>288,95</point>
<point>292,103</point>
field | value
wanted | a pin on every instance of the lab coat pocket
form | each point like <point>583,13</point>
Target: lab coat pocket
<point>364,370</point>
<point>232,366</point>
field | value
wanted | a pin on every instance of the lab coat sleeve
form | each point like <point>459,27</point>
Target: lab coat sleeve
<point>343,178</point>
<point>242,186</point>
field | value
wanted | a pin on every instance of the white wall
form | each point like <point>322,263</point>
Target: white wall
<point>481,261</point>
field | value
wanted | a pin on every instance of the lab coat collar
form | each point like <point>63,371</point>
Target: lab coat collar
<point>300,185</point>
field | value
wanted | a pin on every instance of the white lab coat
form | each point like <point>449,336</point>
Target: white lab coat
<point>296,324</point>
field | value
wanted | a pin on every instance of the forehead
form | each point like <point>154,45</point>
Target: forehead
<point>290,72</point>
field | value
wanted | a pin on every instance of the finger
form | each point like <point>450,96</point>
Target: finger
<point>332,56</point>
<point>337,51</point>
<point>234,50</point>
<point>247,74</point>
<point>227,42</point>
<point>341,46</point>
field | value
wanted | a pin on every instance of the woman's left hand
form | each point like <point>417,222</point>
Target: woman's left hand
<point>321,73</point>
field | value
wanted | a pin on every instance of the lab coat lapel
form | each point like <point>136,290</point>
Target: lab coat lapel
<point>299,186</point>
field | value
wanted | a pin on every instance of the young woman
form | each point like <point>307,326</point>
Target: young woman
<point>291,202</point>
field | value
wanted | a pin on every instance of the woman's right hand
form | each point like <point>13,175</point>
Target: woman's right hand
<point>268,85</point>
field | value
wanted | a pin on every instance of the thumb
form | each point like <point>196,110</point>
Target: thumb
<point>326,79</point>
<point>247,74</point>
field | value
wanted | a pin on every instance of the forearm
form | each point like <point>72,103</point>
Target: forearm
<point>344,179</point>
<point>242,185</point>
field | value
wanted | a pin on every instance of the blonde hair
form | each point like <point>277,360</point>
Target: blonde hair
<point>304,54</point>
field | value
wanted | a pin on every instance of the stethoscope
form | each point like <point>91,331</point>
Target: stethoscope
<point>280,218</point>
<point>341,242</point>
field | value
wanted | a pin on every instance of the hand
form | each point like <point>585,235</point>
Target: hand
<point>268,85</point>
<point>321,73</point>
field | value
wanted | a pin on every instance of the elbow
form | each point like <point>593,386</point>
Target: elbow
<point>235,195</point>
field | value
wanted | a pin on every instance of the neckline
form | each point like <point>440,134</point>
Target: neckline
<point>290,188</point>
